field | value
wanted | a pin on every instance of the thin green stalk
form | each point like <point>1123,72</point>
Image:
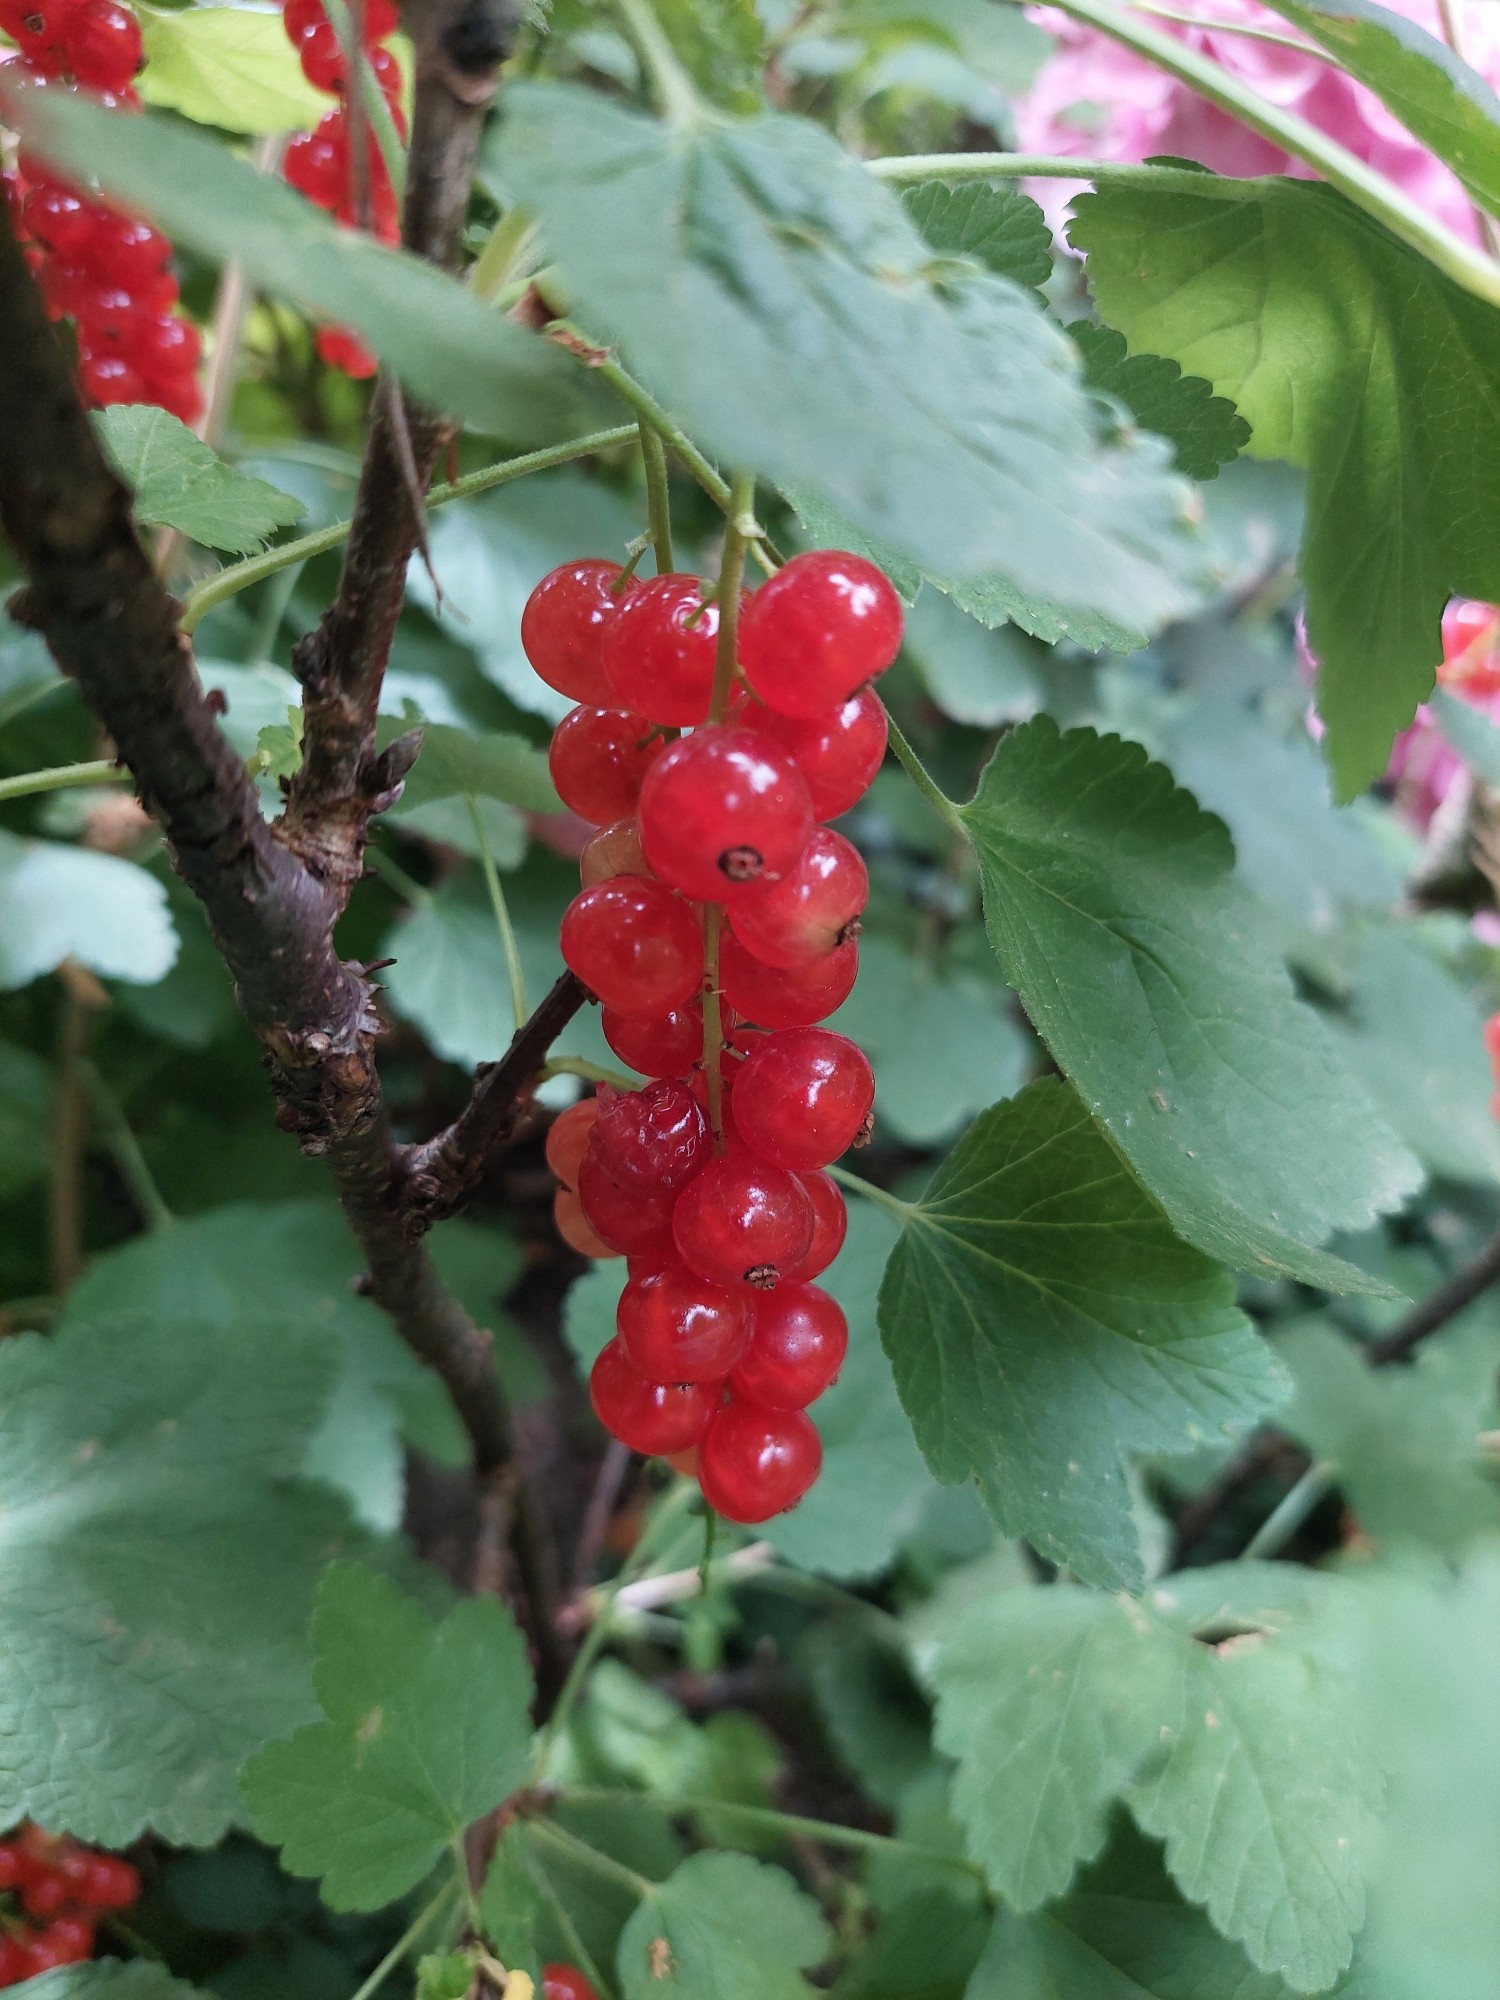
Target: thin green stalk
<point>372,97</point>
<point>395,877</point>
<point>405,1942</point>
<point>520,1011</point>
<point>270,612</point>
<point>62,778</point>
<point>466,1887</point>
<point>646,407</point>
<point>503,256</point>
<point>917,771</point>
<point>739,532</point>
<point>590,1072</point>
<point>1241,28</point>
<point>679,101</point>
<point>906,168</point>
<point>578,1951</point>
<point>1287,1516</point>
<point>239,576</point>
<point>658,496</point>
<point>869,1191</point>
<point>12,705</point>
<point>710,1524</point>
<point>590,1857</point>
<point>124,1147</point>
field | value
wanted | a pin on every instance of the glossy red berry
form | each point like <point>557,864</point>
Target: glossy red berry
<point>318,167</point>
<point>795,1350</point>
<point>568,1139</point>
<point>838,751</point>
<point>803,1097</point>
<point>108,316</point>
<point>722,807</point>
<point>106,379</point>
<point>803,915</point>
<point>12,1864</point>
<point>754,1462</point>
<point>574,1227</point>
<point>128,253</point>
<point>165,344</point>
<point>654,1139</point>
<point>598,759</point>
<point>563,627</point>
<point>774,997</point>
<point>566,1982</point>
<point>636,946</point>
<point>678,1327</point>
<point>742,1222</point>
<point>342,349</point>
<point>110,1882</point>
<point>104,45</point>
<point>61,219</point>
<point>650,1417</point>
<point>14,1963</point>
<point>634,1223</point>
<point>322,58</point>
<point>46,1891</point>
<point>614,850</point>
<point>659,651</point>
<point>830,1226</point>
<point>666,1044</point>
<point>818,629</point>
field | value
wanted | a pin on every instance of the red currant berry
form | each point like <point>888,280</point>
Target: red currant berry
<point>12,1864</point>
<point>110,1882</point>
<point>180,395</point>
<point>777,998</point>
<point>67,287</point>
<point>636,946</point>
<point>753,1463</point>
<point>563,628</point>
<point>322,58</point>
<point>659,652</point>
<point>811,910</point>
<point>568,1139</point>
<point>574,1227</point>
<point>300,17</point>
<point>741,1222</point>
<point>830,1226</point>
<point>64,221</point>
<point>795,1351</point>
<point>803,1097</point>
<point>636,1224</point>
<point>14,1962</point>
<point>566,1982</point>
<point>650,1417</point>
<point>380,22</point>
<point>317,167</point>
<point>838,753</point>
<point>387,73</point>
<point>342,349</point>
<point>41,36</point>
<point>818,629</point>
<point>46,1891</point>
<point>678,1327</point>
<point>654,1139</point>
<point>104,45</point>
<point>723,807</point>
<point>106,379</point>
<point>599,757</point>
<point>166,345</point>
<point>666,1044</point>
<point>128,253</point>
<point>67,1941</point>
<point>614,850</point>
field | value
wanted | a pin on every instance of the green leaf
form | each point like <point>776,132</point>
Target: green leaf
<point>1110,902</point>
<point>177,481</point>
<point>227,66</point>
<point>1447,105</point>
<point>780,300</point>
<point>1042,1320</point>
<point>1205,430</point>
<point>722,1927</point>
<point>509,1905</point>
<point>427,1728</point>
<point>445,1975</point>
<point>925,1948</point>
<point>1350,355</point>
<point>25,1119</point>
<point>455,763</point>
<point>158,1565</point>
<point>60,902</point>
<point>976,676</point>
<point>110,1979</point>
<point>449,348</point>
<point>721,45</point>
<point>1470,732</point>
<point>450,978</point>
<point>998,227</point>
<point>450,823</point>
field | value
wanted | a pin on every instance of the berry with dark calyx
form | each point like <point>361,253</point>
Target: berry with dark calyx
<point>128,253</point>
<point>678,1327</point>
<point>795,1351</point>
<point>566,1982</point>
<point>830,1226</point>
<point>807,912</point>
<point>654,1139</point>
<point>741,1222</point>
<point>754,1462</point>
<point>838,751</point>
<point>650,1417</point>
<point>636,946</point>
<point>817,630</point>
<point>722,807</point>
<point>166,345</point>
<point>104,45</point>
<point>636,1224</point>
<point>598,759</point>
<point>322,57</point>
<point>61,219</point>
<point>803,1097</point>
<point>575,1229</point>
<point>563,628</point>
<point>568,1139</point>
<point>659,651</point>
<point>614,850</point>
<point>665,1044</point>
<point>776,997</point>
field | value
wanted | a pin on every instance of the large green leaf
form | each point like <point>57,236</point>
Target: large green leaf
<point>1042,1319</point>
<point>1110,901</point>
<point>722,1927</point>
<point>447,346</point>
<point>157,1565</point>
<point>1205,430</point>
<point>998,227</point>
<point>781,301</point>
<point>110,1979</point>
<point>427,1728</point>
<point>234,67</point>
<point>457,763</point>
<point>177,481</point>
<point>1350,355</point>
<point>60,902</point>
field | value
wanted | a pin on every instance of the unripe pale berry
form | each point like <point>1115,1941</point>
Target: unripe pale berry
<point>574,1227</point>
<point>614,850</point>
<point>568,1139</point>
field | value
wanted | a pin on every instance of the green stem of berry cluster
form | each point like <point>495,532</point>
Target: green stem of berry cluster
<point>371,97</point>
<point>658,497</point>
<point>425,1917</point>
<point>922,778</point>
<point>519,1006</point>
<point>61,778</point>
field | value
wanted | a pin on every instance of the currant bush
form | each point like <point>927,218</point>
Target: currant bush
<point>57,1890</point>
<point>712,877</point>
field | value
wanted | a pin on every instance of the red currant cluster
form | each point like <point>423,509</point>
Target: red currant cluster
<point>1471,649</point>
<point>321,164</point>
<point>709,1180</point>
<point>110,275</point>
<point>62,1889</point>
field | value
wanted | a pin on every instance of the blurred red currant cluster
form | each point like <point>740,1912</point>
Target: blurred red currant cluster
<point>1471,649</point>
<point>716,925</point>
<point>321,164</point>
<point>62,1889</point>
<point>112,277</point>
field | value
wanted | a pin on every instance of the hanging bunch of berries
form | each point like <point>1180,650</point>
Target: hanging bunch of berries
<point>111,276</point>
<point>322,165</point>
<point>717,926</point>
<point>57,1890</point>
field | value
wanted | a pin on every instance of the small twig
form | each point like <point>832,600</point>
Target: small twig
<point>70,1119</point>
<point>1290,1511</point>
<point>1435,1311</point>
<point>596,1519</point>
<point>130,1161</point>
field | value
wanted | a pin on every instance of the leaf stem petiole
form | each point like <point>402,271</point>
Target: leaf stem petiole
<point>447,1894</point>
<point>591,1857</point>
<point>658,496</point>
<point>62,778</point>
<point>869,1191</point>
<point>1287,1516</point>
<point>922,778</point>
<point>514,972</point>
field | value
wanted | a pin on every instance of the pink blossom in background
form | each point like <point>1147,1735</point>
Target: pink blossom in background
<point>1094,99</point>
